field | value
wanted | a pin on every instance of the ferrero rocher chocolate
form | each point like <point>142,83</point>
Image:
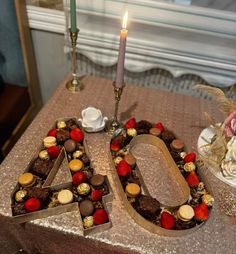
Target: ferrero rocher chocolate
<point>43,155</point>
<point>61,124</point>
<point>88,221</point>
<point>208,199</point>
<point>131,132</point>
<point>77,154</point>
<point>83,189</point>
<point>189,166</point>
<point>20,195</point>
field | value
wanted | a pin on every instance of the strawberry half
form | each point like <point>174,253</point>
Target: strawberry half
<point>160,126</point>
<point>201,212</point>
<point>123,168</point>
<point>167,220</point>
<point>96,195</point>
<point>77,135</point>
<point>190,157</point>
<point>192,179</point>
<point>131,123</point>
<point>52,133</point>
<point>53,151</point>
<point>115,145</point>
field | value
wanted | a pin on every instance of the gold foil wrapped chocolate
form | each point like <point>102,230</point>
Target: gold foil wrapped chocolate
<point>43,155</point>
<point>20,195</point>
<point>77,154</point>
<point>88,222</point>
<point>189,166</point>
<point>117,160</point>
<point>83,189</point>
<point>131,132</point>
<point>208,199</point>
<point>61,124</point>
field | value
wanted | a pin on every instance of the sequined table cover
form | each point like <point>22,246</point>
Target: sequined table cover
<point>62,233</point>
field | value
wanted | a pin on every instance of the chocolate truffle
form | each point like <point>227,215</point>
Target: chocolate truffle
<point>86,208</point>
<point>148,207</point>
<point>143,127</point>
<point>71,124</point>
<point>97,180</point>
<point>42,167</point>
<point>70,145</point>
<point>62,135</point>
<point>85,159</point>
<point>167,136</point>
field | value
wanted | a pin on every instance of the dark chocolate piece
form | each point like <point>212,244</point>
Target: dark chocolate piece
<point>18,209</point>
<point>42,168</point>
<point>167,136</point>
<point>40,193</point>
<point>143,127</point>
<point>62,135</point>
<point>148,207</point>
<point>85,159</point>
<point>71,124</point>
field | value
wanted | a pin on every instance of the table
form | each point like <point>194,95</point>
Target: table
<point>61,233</point>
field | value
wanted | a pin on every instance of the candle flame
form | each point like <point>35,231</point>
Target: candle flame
<point>125,20</point>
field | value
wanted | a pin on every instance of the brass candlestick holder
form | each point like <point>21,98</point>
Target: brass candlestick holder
<point>114,124</point>
<point>75,84</point>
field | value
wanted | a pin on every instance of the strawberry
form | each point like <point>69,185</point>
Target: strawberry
<point>100,216</point>
<point>79,178</point>
<point>192,179</point>
<point>32,205</point>
<point>52,133</point>
<point>96,195</point>
<point>190,157</point>
<point>53,151</point>
<point>201,212</point>
<point>131,123</point>
<point>123,168</point>
<point>115,145</point>
<point>167,220</point>
<point>77,135</point>
<point>160,126</point>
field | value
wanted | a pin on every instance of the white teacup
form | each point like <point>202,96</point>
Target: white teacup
<point>92,117</point>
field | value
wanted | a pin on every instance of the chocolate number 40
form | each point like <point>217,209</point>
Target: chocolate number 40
<point>35,197</point>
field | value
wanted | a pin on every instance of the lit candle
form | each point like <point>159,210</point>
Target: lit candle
<point>73,16</point>
<point>121,58</point>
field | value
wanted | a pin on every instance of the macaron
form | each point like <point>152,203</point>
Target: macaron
<point>97,180</point>
<point>86,208</point>
<point>155,132</point>
<point>177,145</point>
<point>83,189</point>
<point>130,159</point>
<point>132,190</point>
<point>75,165</point>
<point>32,205</point>
<point>70,145</point>
<point>26,180</point>
<point>49,141</point>
<point>65,197</point>
<point>185,213</point>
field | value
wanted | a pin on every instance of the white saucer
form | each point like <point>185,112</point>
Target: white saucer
<point>94,129</point>
<point>205,138</point>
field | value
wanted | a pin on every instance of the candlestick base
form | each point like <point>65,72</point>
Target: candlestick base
<point>113,125</point>
<point>75,85</point>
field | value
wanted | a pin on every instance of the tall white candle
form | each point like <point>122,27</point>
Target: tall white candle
<point>121,58</point>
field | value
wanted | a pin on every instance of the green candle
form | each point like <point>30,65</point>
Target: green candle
<point>73,16</point>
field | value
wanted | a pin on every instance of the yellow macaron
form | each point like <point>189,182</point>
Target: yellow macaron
<point>76,165</point>
<point>49,141</point>
<point>132,190</point>
<point>185,213</point>
<point>26,179</point>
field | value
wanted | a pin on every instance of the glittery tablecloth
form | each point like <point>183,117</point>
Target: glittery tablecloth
<point>62,233</point>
